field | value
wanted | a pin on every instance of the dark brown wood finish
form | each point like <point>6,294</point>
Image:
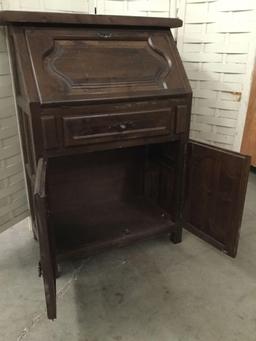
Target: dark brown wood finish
<point>116,205</point>
<point>136,63</point>
<point>105,103</point>
<point>64,19</point>
<point>215,194</point>
<point>47,263</point>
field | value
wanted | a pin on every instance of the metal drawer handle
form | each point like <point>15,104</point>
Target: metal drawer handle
<point>122,126</point>
<point>105,35</point>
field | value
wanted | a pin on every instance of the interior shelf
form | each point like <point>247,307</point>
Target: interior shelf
<point>116,223</point>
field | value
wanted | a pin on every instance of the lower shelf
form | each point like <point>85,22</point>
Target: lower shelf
<point>89,229</point>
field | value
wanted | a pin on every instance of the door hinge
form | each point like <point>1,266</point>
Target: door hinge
<point>40,271</point>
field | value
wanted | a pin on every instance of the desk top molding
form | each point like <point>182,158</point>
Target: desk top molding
<point>52,18</point>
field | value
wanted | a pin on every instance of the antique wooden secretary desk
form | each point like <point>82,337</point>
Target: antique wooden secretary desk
<point>104,110</point>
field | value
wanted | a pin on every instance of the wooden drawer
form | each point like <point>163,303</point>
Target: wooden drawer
<point>98,128</point>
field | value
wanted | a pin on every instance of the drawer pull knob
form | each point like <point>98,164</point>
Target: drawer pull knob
<point>122,126</point>
<point>105,35</point>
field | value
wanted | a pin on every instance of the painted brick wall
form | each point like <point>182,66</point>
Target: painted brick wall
<point>217,46</point>
<point>48,5</point>
<point>13,199</point>
<point>154,8</point>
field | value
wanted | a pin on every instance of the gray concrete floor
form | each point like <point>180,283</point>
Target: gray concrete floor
<point>152,291</point>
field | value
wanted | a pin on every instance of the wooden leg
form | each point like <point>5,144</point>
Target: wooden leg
<point>58,270</point>
<point>176,236</point>
<point>34,232</point>
<point>34,235</point>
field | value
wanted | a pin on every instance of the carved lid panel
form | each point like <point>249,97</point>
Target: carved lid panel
<point>92,64</point>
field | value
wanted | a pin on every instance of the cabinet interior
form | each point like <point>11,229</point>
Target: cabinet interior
<point>110,197</point>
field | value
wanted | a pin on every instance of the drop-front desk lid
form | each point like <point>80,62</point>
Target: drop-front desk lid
<point>84,58</point>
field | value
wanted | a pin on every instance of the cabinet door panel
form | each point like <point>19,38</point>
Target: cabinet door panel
<point>215,192</point>
<point>46,241</point>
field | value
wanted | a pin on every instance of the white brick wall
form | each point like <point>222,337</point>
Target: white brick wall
<point>217,45</point>
<point>156,8</point>
<point>48,5</point>
<point>13,201</point>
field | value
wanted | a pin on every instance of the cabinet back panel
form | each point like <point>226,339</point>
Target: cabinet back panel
<point>94,177</point>
<point>107,194</point>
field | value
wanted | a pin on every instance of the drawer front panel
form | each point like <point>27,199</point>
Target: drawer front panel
<point>79,130</point>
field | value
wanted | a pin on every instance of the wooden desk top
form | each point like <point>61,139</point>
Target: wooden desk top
<point>22,17</point>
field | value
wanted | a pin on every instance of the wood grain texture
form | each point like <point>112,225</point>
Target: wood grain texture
<point>107,198</point>
<point>110,127</point>
<point>48,18</point>
<point>108,109</point>
<point>69,67</point>
<point>45,237</point>
<point>215,194</point>
<point>249,136</point>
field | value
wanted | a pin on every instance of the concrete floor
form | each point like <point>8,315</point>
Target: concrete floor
<point>152,291</point>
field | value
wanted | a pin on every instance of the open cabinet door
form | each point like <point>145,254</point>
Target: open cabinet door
<point>46,242</point>
<point>216,182</point>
